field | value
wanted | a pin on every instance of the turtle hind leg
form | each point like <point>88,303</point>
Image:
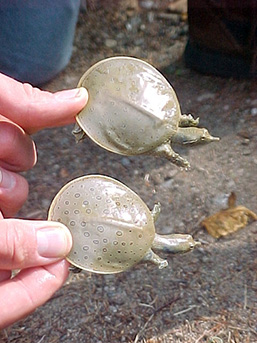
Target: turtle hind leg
<point>165,150</point>
<point>155,259</point>
<point>188,120</point>
<point>78,133</point>
<point>75,270</point>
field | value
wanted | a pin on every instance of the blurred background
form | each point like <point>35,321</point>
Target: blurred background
<point>207,51</point>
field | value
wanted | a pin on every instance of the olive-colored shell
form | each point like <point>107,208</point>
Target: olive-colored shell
<point>132,108</point>
<point>112,228</point>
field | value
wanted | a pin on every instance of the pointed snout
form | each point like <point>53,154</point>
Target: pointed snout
<point>207,137</point>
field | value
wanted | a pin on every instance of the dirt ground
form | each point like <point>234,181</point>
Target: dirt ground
<point>208,295</point>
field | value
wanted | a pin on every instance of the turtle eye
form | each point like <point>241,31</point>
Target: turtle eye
<point>191,246</point>
<point>204,135</point>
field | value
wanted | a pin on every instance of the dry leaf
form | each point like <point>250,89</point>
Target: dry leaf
<point>229,220</point>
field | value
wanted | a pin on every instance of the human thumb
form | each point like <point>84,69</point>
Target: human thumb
<point>34,109</point>
<point>28,243</point>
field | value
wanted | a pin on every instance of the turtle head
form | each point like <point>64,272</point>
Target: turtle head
<point>193,135</point>
<point>174,243</point>
<point>205,137</point>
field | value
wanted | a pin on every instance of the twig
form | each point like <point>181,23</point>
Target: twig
<point>143,329</point>
<point>207,333</point>
<point>146,305</point>
<point>41,339</point>
<point>202,336</point>
<point>245,296</point>
<point>215,339</point>
<point>241,329</point>
<point>185,310</point>
<point>152,315</point>
<point>166,305</point>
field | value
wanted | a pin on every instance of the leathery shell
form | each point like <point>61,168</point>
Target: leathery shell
<point>131,109</point>
<point>111,226</point>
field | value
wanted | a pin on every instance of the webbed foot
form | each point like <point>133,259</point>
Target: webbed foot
<point>166,151</point>
<point>156,211</point>
<point>78,133</point>
<point>75,270</point>
<point>152,257</point>
<point>188,120</point>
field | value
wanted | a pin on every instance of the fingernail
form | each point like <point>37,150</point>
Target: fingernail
<point>72,93</point>
<point>7,180</point>
<point>54,242</point>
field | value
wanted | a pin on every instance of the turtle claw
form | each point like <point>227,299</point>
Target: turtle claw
<point>75,270</point>
<point>78,133</point>
<point>156,211</point>
<point>181,162</point>
<point>165,150</point>
<point>155,259</point>
<point>163,264</point>
<point>188,120</point>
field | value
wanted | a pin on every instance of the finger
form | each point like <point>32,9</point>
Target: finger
<point>13,192</point>
<point>28,243</point>
<point>5,275</point>
<point>33,109</point>
<point>17,150</point>
<point>30,289</point>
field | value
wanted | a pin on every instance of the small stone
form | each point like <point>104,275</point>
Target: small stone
<point>246,141</point>
<point>221,200</point>
<point>45,203</point>
<point>231,184</point>
<point>150,17</point>
<point>110,43</point>
<point>254,102</point>
<point>247,152</point>
<point>146,4</point>
<point>63,173</point>
<point>125,162</point>
<point>254,111</point>
<point>205,96</point>
<point>172,17</point>
<point>139,41</point>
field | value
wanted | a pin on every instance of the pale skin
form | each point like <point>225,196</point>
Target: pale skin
<point>37,248</point>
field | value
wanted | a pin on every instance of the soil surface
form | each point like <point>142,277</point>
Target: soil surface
<point>208,295</point>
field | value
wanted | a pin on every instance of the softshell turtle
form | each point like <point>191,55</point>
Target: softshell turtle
<point>111,226</point>
<point>132,110</point>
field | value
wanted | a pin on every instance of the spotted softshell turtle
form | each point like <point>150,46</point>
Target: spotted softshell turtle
<point>132,109</point>
<point>111,226</point>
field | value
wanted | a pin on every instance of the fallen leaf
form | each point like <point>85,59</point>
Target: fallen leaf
<point>228,220</point>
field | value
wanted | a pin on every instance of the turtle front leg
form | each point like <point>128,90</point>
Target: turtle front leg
<point>165,150</point>
<point>188,120</point>
<point>156,211</point>
<point>155,259</point>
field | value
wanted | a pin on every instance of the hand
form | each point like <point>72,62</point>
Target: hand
<point>37,248</point>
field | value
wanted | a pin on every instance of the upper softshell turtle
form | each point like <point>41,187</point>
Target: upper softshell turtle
<point>111,226</point>
<point>132,109</point>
